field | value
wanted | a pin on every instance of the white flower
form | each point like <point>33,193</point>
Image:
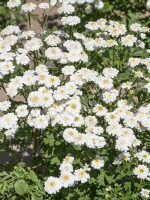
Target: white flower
<point>47,100</point>
<point>5,105</point>
<point>141,171</point>
<point>9,30</point>
<point>35,112</point>
<point>144,192</point>
<point>68,70</point>
<point>104,82</point>
<point>27,34</point>
<point>100,110</point>
<point>73,46</point>
<point>44,6</point>
<point>112,117</point>
<point>70,20</point>
<point>34,44</point>
<point>28,7</point>
<point>79,139</point>
<point>92,25</point>
<point>114,129</point>
<point>68,159</point>
<point>66,166</point>
<point>128,40</point>
<point>143,156</point>
<point>88,9</point>
<point>134,62</point>
<point>22,59</point>
<point>127,85</point>
<point>90,121</point>
<point>11,90</point>
<point>69,134</point>
<point>34,99</point>
<point>10,40</point>
<point>52,40</point>
<point>135,27</point>
<point>110,72</point>
<point>22,111</point>
<point>97,163</point>
<point>148,4</point>
<point>99,4</point>
<point>110,96</point>
<point>60,93</point>
<point>123,143</point>
<point>41,122</point>
<point>73,107</point>
<point>9,120</point>
<point>53,53</point>
<point>6,67</point>
<point>81,175</point>
<point>13,3</point>
<point>74,56</point>
<point>52,185</point>
<point>52,81</point>
<point>67,179</point>
<point>66,9</point>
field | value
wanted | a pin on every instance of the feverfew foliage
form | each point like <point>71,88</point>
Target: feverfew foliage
<point>83,108</point>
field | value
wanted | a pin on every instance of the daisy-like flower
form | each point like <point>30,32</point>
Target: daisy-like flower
<point>67,179</point>
<point>28,7</point>
<point>22,111</point>
<point>68,70</point>
<point>134,62</point>
<point>127,85</point>
<point>143,156</point>
<point>141,171</point>
<point>13,3</point>
<point>53,53</point>
<point>44,6</point>
<point>145,193</point>
<point>69,134</point>
<point>100,110</point>
<point>5,105</point>
<point>90,121</point>
<point>41,122</point>
<point>34,99</point>
<point>52,185</point>
<point>70,20</point>
<point>97,163</point>
<point>81,175</point>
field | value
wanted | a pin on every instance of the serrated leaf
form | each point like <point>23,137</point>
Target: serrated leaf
<point>109,179</point>
<point>21,187</point>
<point>100,178</point>
<point>33,176</point>
<point>35,197</point>
<point>55,160</point>
<point>127,186</point>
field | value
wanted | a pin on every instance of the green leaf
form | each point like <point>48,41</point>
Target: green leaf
<point>33,176</point>
<point>141,54</point>
<point>3,188</point>
<point>127,186</point>
<point>55,160</point>
<point>34,197</point>
<point>78,148</point>
<point>21,187</point>
<point>124,76</point>
<point>100,178</point>
<point>49,140</point>
<point>109,179</point>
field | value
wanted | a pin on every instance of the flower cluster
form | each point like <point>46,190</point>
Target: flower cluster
<point>91,88</point>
